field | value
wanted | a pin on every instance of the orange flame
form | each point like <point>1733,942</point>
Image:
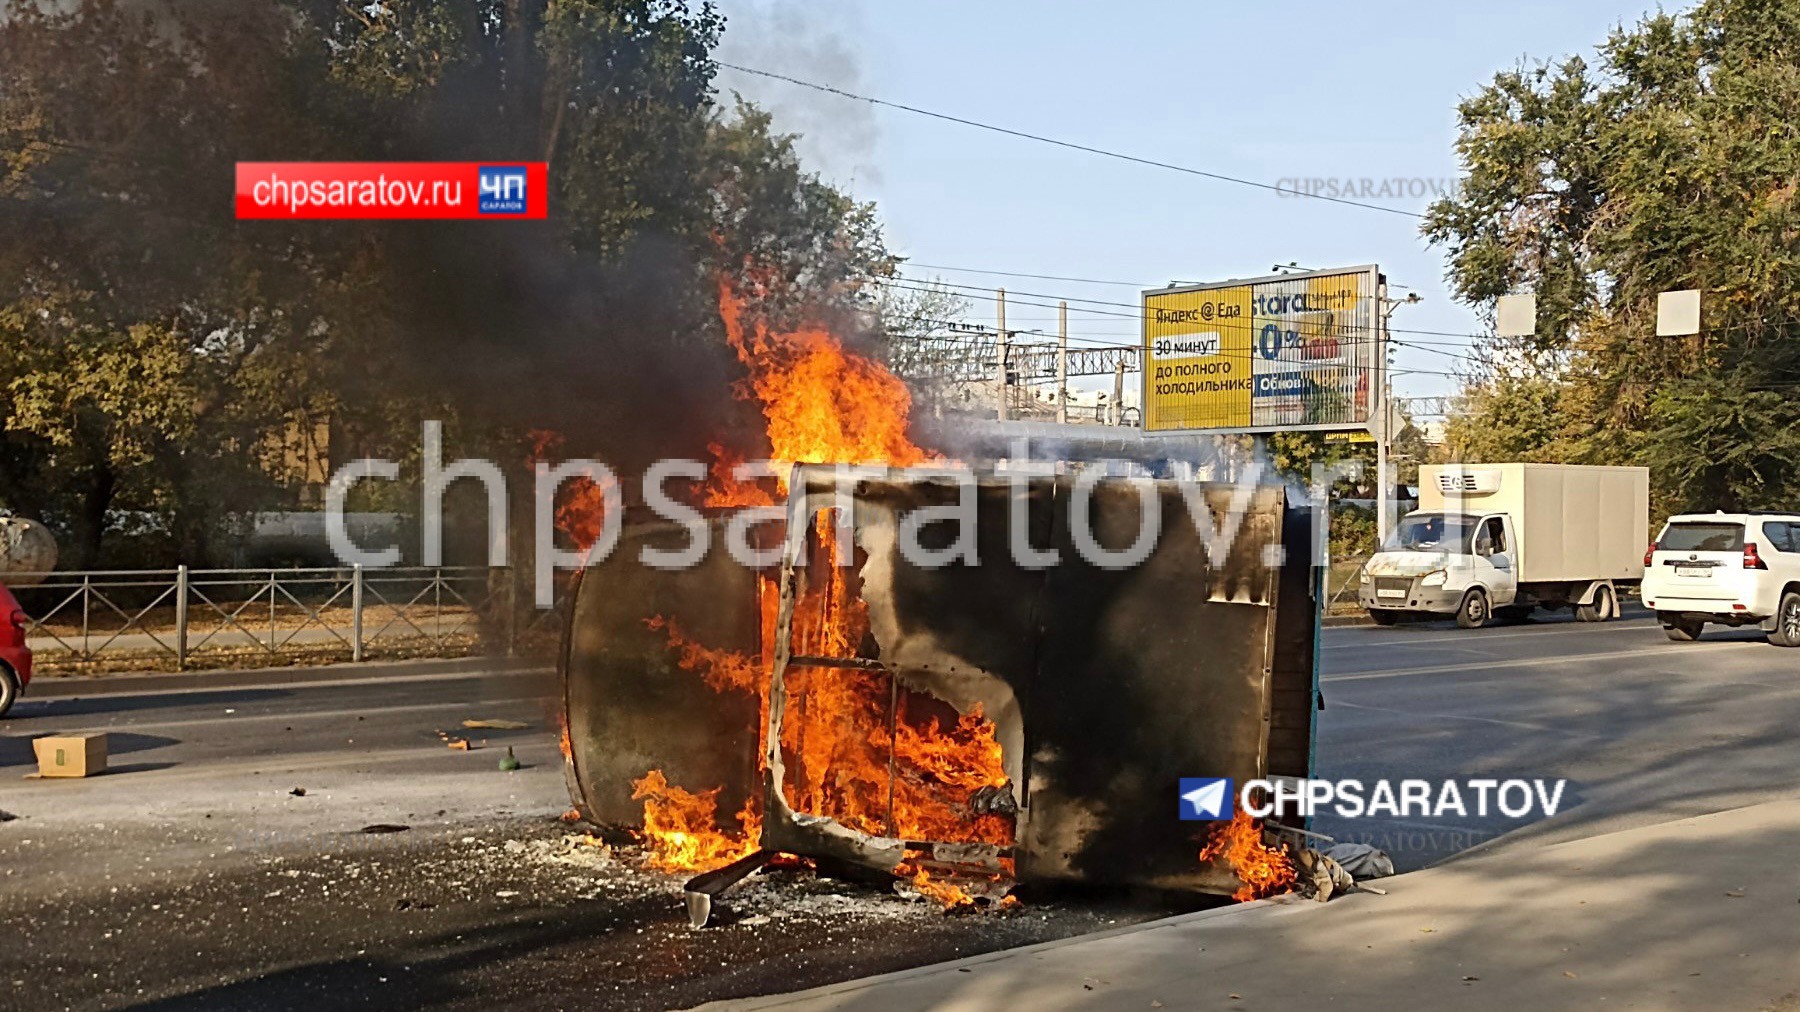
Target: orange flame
<point>724,488</point>
<point>873,757</point>
<point>1262,870</point>
<point>581,502</point>
<point>849,754</point>
<point>824,405</point>
<point>681,829</point>
<point>947,893</point>
<point>722,670</point>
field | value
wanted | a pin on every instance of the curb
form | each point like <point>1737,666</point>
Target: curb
<point>843,989</point>
<point>69,686</point>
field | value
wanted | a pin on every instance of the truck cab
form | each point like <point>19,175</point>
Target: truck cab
<point>1497,540</point>
<point>1443,562</point>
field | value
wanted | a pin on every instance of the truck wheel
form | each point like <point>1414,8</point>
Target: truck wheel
<point>1787,622</point>
<point>1474,611</point>
<point>9,689</point>
<point>1383,616</point>
<point>1605,606</point>
<point>1682,630</point>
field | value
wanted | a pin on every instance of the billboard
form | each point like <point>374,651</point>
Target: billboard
<point>1292,351</point>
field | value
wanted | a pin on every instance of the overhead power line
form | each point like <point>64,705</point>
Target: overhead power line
<point>1071,145</point>
<point>1136,311</point>
<point>1021,274</point>
<point>978,344</point>
<point>973,356</point>
<point>1088,281</point>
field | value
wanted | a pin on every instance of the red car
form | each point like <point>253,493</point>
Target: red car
<point>15,656</point>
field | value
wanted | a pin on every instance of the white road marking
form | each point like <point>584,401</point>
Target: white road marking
<point>1477,637</point>
<point>1535,662</point>
<point>73,692</point>
<point>297,716</point>
<point>1458,716</point>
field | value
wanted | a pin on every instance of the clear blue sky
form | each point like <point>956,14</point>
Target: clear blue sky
<point>1267,92</point>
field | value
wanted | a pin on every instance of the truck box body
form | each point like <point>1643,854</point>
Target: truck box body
<point>1574,521</point>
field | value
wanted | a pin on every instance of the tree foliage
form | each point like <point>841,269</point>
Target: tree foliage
<point>1670,162</point>
<point>153,348</point>
<point>1507,415</point>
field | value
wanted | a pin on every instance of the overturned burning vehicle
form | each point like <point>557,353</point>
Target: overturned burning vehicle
<point>965,723</point>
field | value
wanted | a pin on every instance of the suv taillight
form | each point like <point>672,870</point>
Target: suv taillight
<point>1650,554</point>
<point>1751,559</point>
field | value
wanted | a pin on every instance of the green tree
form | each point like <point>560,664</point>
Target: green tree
<point>1293,454</point>
<point>131,316</point>
<point>151,346</point>
<point>1507,415</point>
<point>1668,163</point>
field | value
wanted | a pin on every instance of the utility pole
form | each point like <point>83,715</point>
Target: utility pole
<point>1382,398</point>
<point>1000,295</point>
<point>1062,363</point>
<point>1118,397</point>
<point>1378,402</point>
<point>1383,401</point>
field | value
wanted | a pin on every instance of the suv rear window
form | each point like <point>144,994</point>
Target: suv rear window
<point>1783,534</point>
<point>1702,537</point>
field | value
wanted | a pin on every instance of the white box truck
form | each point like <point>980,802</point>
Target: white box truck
<point>1497,540</point>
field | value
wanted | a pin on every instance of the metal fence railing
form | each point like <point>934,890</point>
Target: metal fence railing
<point>200,617</point>
<point>1341,582</point>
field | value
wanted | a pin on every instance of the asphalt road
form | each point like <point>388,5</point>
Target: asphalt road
<point>206,774</point>
<point>200,810</point>
<point>192,875</point>
<point>1644,730</point>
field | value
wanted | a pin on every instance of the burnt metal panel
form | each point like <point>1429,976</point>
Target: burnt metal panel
<point>1114,682</point>
<point>1105,685</point>
<point>956,616</point>
<point>963,633</point>
<point>630,707</point>
<point>1147,674</point>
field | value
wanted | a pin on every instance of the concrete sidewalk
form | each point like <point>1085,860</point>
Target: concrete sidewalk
<point>1703,913</point>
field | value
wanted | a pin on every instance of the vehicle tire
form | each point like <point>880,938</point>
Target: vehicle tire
<point>1513,612</point>
<point>1683,630</point>
<point>1473,614</point>
<point>1383,616</point>
<point>1604,606</point>
<point>9,689</point>
<point>1787,622</point>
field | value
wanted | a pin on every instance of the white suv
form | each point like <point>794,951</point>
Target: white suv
<point>1731,568</point>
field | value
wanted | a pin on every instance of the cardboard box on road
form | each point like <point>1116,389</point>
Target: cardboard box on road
<point>70,755</point>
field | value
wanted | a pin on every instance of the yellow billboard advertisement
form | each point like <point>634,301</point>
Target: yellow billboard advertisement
<point>1197,344</point>
<point>1292,351</point>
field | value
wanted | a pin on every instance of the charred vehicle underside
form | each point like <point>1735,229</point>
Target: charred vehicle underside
<point>967,723</point>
